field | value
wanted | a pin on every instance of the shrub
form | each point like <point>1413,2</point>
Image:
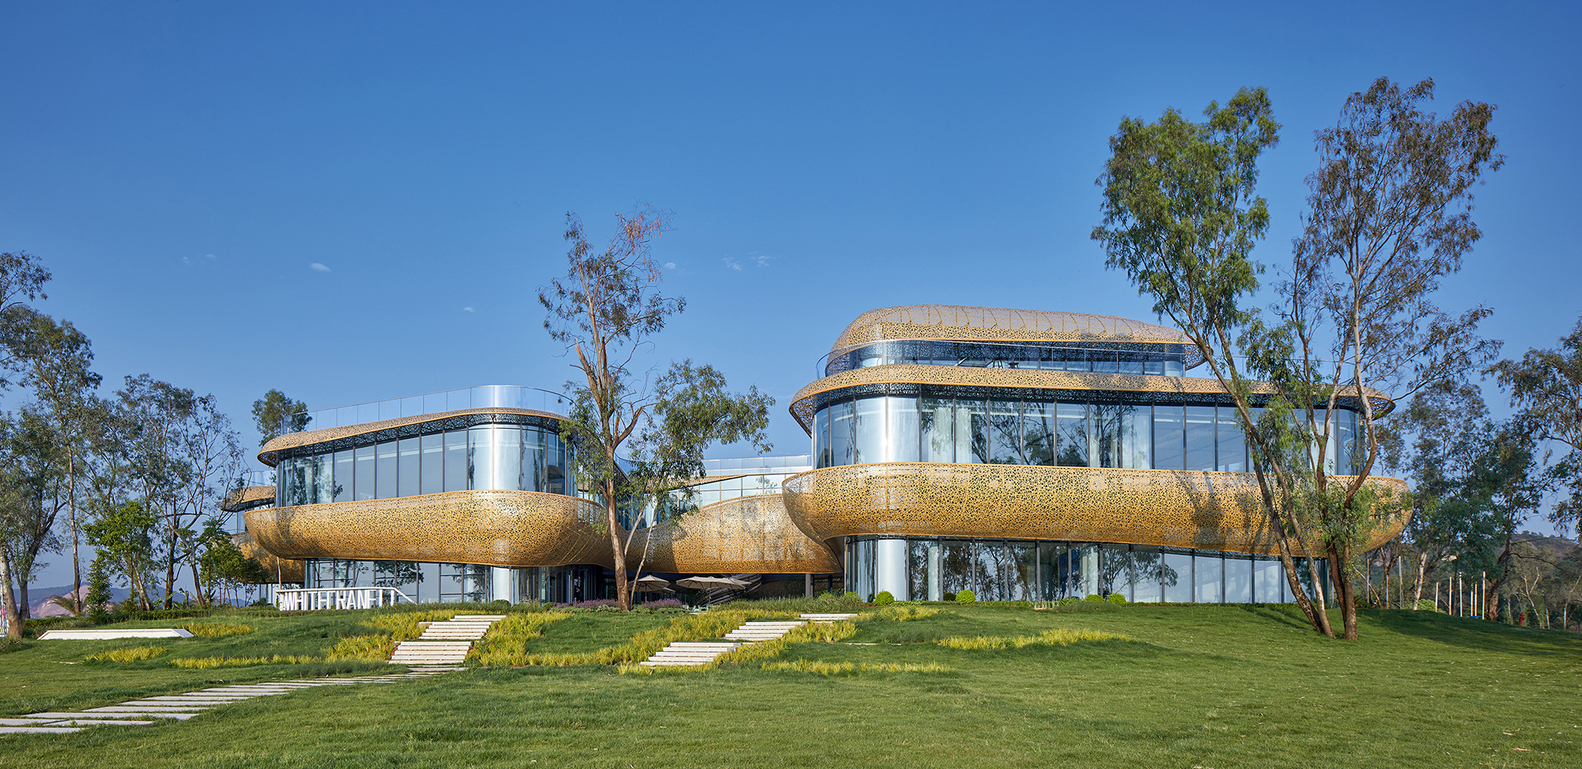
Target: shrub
<point>8,644</point>
<point>850,596</point>
<point>1117,598</point>
<point>966,596</point>
<point>1427,605</point>
<point>884,598</point>
<point>663,603</point>
<point>499,604</point>
<point>1094,599</point>
<point>132,654</point>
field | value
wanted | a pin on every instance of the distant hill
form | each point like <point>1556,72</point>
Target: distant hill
<point>37,596</point>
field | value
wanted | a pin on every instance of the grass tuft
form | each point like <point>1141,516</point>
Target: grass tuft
<point>839,668</point>
<point>1056,637</point>
<point>205,663</point>
<point>362,648</point>
<point>131,654</point>
<point>506,641</point>
<point>216,629</point>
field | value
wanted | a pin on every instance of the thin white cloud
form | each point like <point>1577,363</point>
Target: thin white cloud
<point>670,265</point>
<point>316,267</point>
<point>763,260</point>
<point>466,309</point>
<point>733,264</point>
<point>208,256</point>
<point>186,261</point>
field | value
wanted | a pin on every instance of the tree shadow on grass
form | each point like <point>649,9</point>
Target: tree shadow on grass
<point>1475,633</point>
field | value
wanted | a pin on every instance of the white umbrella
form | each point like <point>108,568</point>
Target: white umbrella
<point>706,583</point>
<point>650,584</point>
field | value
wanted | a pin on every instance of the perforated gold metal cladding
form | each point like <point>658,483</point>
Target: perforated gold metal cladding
<point>270,453</point>
<point>280,570</point>
<point>747,534</point>
<point>1167,508</point>
<point>877,380</point>
<point>492,528</point>
<point>247,497</point>
<point>960,323</point>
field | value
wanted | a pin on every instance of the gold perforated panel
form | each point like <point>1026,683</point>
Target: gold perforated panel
<point>493,528</point>
<point>959,323</point>
<point>1169,508</point>
<point>247,497</point>
<point>270,453</point>
<point>280,570</point>
<point>805,401</point>
<point>742,535</point>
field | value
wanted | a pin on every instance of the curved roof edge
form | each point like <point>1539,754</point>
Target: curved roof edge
<point>963,323</point>
<point>803,403</point>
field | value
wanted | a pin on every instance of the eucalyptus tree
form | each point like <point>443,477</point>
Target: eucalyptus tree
<point>1546,384</point>
<point>29,505</point>
<point>1389,215</point>
<point>56,364</point>
<point>276,413</point>
<point>1181,217</point>
<point>606,309</point>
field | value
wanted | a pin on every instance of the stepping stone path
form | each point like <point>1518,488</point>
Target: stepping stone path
<point>445,643</point>
<point>180,707</point>
<point>696,653</point>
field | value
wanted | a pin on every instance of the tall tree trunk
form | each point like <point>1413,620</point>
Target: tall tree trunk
<point>8,598</point>
<point>76,561</point>
<point>24,607</point>
<point>197,586</point>
<point>1422,573</point>
<point>1345,595</point>
<point>623,592</point>
<point>170,571</point>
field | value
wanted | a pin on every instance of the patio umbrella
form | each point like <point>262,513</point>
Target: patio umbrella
<point>714,583</point>
<point>650,584</point>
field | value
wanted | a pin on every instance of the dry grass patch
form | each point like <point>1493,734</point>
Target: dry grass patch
<point>838,668</point>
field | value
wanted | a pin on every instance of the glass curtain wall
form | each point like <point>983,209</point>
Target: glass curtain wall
<point>1159,361</point>
<point>484,457</point>
<point>1026,570</point>
<point>1035,432</point>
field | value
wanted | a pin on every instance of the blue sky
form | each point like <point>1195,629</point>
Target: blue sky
<point>182,167</point>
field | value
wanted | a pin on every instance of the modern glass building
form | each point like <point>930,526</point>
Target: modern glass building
<point>1022,455</point>
<point>1027,455</point>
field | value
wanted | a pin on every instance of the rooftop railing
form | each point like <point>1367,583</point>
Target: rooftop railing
<point>482,396</point>
<point>785,463</point>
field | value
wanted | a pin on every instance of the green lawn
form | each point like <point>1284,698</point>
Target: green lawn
<point>1197,686</point>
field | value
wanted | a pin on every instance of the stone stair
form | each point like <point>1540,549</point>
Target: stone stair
<point>688,654</point>
<point>445,643</point>
<point>762,631</point>
<point>695,653</point>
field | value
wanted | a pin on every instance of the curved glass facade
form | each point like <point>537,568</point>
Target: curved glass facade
<point>919,569</point>
<point>507,457</point>
<point>1000,428</point>
<point>1107,358</point>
